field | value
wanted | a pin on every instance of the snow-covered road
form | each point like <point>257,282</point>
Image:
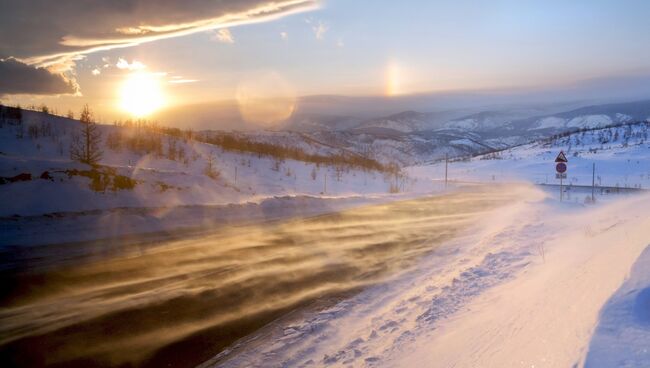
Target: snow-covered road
<point>488,276</point>
<point>522,288</point>
<point>544,317</point>
<point>180,301</point>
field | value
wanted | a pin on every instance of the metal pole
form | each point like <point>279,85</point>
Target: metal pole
<point>561,194</point>
<point>396,182</point>
<point>325,182</point>
<point>446,165</point>
<point>593,181</point>
<point>235,174</point>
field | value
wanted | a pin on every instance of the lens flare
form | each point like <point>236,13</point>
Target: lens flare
<point>141,94</point>
<point>265,98</point>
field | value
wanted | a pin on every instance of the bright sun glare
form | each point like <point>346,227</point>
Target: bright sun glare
<point>393,79</point>
<point>141,94</point>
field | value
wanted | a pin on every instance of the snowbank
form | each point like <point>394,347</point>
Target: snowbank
<point>622,338</point>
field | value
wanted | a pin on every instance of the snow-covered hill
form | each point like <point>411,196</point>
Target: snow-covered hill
<point>621,155</point>
<point>141,168</point>
<point>413,138</point>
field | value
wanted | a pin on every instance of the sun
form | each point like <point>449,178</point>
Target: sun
<point>141,94</point>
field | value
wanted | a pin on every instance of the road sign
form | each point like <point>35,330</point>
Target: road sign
<point>560,167</point>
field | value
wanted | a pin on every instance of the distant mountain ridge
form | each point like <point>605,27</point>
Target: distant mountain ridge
<point>413,137</point>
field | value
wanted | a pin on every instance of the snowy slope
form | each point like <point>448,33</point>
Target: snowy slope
<point>621,155</point>
<point>413,138</point>
<point>161,181</point>
<point>583,121</point>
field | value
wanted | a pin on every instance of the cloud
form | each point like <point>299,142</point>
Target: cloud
<point>183,81</point>
<point>45,32</point>
<point>223,35</point>
<point>135,65</point>
<point>20,78</point>
<point>320,29</point>
<point>96,72</point>
<point>284,36</point>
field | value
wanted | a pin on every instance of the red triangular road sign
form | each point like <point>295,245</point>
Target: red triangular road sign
<point>561,157</point>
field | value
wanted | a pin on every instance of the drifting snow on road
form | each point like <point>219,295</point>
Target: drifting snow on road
<point>490,276</point>
<point>182,301</point>
<point>522,287</point>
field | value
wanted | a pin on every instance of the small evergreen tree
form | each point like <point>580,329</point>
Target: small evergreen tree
<point>85,146</point>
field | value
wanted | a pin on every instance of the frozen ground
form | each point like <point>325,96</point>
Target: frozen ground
<point>523,287</point>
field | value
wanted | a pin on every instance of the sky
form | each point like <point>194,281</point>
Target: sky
<point>199,52</point>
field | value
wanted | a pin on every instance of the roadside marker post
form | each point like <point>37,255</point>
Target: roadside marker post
<point>593,182</point>
<point>560,169</point>
<point>446,167</point>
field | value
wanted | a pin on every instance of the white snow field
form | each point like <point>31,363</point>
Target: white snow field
<point>522,288</point>
<point>621,155</point>
<point>162,182</point>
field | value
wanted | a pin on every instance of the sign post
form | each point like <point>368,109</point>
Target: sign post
<point>560,168</point>
<point>593,182</point>
<point>446,166</point>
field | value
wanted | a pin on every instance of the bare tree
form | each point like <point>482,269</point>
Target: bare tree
<point>85,146</point>
<point>209,169</point>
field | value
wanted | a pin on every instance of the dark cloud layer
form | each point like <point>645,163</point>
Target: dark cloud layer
<point>20,78</point>
<point>47,32</point>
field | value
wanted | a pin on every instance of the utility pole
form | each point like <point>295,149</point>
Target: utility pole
<point>325,182</point>
<point>446,167</point>
<point>235,174</point>
<point>593,182</point>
